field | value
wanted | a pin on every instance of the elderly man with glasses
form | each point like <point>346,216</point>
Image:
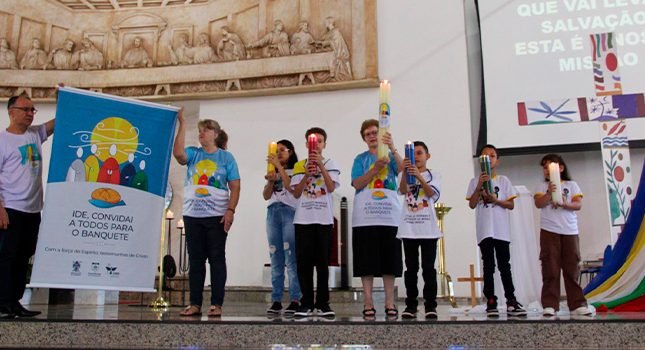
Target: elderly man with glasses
<point>21,200</point>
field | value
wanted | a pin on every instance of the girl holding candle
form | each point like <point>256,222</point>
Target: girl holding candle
<point>559,242</point>
<point>493,232</point>
<point>375,218</point>
<point>419,229</point>
<point>209,210</point>
<point>280,229</point>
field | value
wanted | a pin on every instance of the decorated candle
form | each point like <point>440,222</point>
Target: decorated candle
<point>273,150</point>
<point>312,145</point>
<point>169,214</point>
<point>180,223</point>
<point>484,165</point>
<point>554,177</point>
<point>383,117</point>
<point>409,154</point>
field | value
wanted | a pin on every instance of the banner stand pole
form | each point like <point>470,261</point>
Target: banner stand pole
<point>160,304</point>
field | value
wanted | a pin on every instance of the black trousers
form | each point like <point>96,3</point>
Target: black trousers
<point>17,245</point>
<point>491,248</point>
<point>313,242</point>
<point>428,249</point>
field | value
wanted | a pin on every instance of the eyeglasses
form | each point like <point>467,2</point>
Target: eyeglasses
<point>371,133</point>
<point>26,109</point>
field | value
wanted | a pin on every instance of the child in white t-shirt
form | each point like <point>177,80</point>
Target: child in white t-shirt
<point>313,181</point>
<point>419,230</point>
<point>559,246</point>
<point>493,232</point>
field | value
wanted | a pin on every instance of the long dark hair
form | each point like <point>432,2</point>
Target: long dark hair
<point>554,158</point>
<point>293,157</point>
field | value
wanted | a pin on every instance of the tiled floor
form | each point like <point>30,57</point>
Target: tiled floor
<point>245,325</point>
<point>255,312</point>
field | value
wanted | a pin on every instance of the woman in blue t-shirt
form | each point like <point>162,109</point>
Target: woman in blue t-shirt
<point>211,193</point>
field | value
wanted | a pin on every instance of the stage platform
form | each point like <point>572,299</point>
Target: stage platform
<point>245,325</point>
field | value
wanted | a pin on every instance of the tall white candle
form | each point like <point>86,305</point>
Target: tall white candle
<point>384,117</point>
<point>554,177</point>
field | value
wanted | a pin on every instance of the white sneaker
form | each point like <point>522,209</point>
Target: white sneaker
<point>549,311</point>
<point>582,311</point>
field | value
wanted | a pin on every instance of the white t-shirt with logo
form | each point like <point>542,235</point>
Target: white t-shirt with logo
<point>315,205</point>
<point>279,193</point>
<point>21,184</point>
<point>559,220</point>
<point>418,219</point>
<point>493,220</point>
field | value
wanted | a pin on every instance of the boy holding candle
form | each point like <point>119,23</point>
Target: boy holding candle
<point>559,247</point>
<point>493,232</point>
<point>419,228</point>
<point>314,179</point>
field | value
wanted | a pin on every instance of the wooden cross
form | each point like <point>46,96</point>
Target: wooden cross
<point>472,279</point>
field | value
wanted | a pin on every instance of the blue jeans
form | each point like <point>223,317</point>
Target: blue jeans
<point>282,250</point>
<point>206,239</point>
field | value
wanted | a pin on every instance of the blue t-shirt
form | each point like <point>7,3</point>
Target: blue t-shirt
<point>206,184</point>
<point>376,204</point>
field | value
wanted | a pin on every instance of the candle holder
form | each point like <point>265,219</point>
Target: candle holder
<point>446,290</point>
<point>160,304</point>
<point>183,259</point>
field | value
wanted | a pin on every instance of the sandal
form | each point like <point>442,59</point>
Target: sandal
<point>391,312</point>
<point>191,310</point>
<point>215,311</point>
<point>371,312</point>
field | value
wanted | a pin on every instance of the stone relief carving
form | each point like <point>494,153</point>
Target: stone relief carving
<point>136,56</point>
<point>7,57</point>
<point>302,43</point>
<point>35,57</point>
<point>61,58</point>
<point>240,54</point>
<point>275,43</point>
<point>340,68</point>
<point>230,47</point>
<point>89,57</point>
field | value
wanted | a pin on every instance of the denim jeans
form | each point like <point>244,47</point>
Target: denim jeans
<point>206,239</point>
<point>282,250</point>
<point>491,248</point>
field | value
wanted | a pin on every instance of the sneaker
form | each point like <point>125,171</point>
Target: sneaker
<point>409,313</point>
<point>275,308</point>
<point>491,308</point>
<point>548,311</point>
<point>292,308</point>
<point>325,311</point>
<point>304,311</point>
<point>431,313</point>
<point>513,308</point>
<point>582,311</point>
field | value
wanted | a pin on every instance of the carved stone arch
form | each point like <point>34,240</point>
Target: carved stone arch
<point>145,25</point>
